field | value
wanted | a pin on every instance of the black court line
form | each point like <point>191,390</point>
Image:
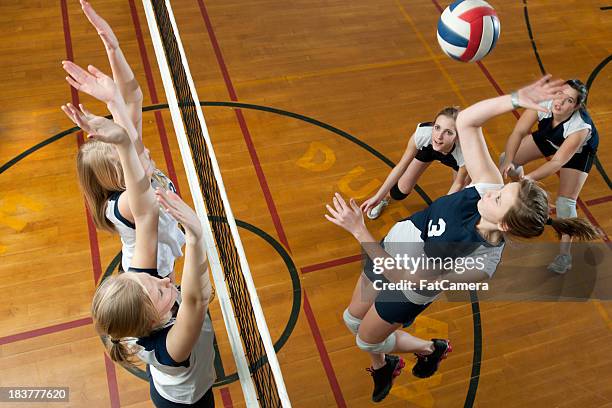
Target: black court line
<point>606,8</point>
<point>477,354</point>
<point>589,82</point>
<point>533,44</point>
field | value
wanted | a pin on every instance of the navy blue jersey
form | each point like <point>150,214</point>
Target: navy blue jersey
<point>556,135</point>
<point>448,225</point>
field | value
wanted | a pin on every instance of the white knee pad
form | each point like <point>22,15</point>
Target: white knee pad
<point>386,346</point>
<point>566,207</point>
<point>351,321</point>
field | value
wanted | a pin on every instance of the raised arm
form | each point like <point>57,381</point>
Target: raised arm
<point>102,87</point>
<point>521,129</point>
<point>138,187</point>
<point>350,218</point>
<point>196,288</point>
<point>478,162</point>
<point>393,176</point>
<point>122,73</point>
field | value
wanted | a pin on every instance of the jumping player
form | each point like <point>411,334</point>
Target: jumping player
<point>98,166</point>
<point>135,312</point>
<point>469,223</point>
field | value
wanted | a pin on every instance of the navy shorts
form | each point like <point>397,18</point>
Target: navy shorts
<point>392,305</point>
<point>582,161</point>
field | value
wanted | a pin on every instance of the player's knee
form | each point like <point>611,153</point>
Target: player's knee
<point>396,193</point>
<point>566,207</point>
<point>385,346</point>
<point>351,321</point>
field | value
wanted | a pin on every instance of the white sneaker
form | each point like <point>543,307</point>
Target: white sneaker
<point>375,212</point>
<point>561,264</point>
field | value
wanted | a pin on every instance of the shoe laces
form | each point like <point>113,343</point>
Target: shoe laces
<point>421,357</point>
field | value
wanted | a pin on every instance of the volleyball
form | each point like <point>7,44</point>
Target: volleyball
<point>468,30</point>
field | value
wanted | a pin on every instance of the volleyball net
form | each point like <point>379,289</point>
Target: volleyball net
<point>258,369</point>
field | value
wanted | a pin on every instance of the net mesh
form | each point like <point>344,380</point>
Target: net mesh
<point>263,379</point>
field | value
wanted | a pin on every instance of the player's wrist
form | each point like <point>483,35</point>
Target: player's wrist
<point>514,99</point>
<point>361,233</point>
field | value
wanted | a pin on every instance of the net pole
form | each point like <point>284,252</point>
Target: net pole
<point>229,319</point>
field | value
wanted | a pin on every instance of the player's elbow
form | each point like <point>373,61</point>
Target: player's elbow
<point>464,122</point>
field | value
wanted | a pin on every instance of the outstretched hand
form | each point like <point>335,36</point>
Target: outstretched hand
<point>180,211</point>
<point>541,90</point>
<point>102,27</point>
<point>97,127</point>
<point>348,217</point>
<point>93,82</point>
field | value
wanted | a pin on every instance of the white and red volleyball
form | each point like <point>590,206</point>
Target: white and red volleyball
<point>468,30</point>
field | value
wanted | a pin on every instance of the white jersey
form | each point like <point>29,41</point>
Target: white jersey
<point>182,382</point>
<point>169,236</point>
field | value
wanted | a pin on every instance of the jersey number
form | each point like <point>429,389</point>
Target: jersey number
<point>435,230</point>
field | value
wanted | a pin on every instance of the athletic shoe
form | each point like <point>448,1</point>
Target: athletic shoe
<point>561,264</point>
<point>427,365</point>
<point>375,212</point>
<point>384,376</point>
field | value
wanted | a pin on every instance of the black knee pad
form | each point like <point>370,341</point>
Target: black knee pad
<point>396,193</point>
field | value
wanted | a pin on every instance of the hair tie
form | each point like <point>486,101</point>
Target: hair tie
<point>549,221</point>
<point>115,341</point>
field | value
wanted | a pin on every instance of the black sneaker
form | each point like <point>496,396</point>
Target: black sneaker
<point>383,377</point>
<point>427,365</point>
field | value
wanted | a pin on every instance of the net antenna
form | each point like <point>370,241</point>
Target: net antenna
<point>262,382</point>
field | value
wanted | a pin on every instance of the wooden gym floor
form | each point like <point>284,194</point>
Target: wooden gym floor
<point>372,69</point>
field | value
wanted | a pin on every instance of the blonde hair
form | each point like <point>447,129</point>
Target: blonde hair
<point>100,174</point>
<point>122,308</point>
<point>528,217</point>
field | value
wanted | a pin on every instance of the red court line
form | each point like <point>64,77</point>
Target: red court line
<point>226,397</point>
<point>45,330</point>
<point>245,131</point>
<point>93,236</point>
<point>159,120</point>
<point>327,365</point>
<point>329,370</point>
<point>91,229</point>
<point>581,204</point>
<point>111,378</point>
<point>599,200</point>
<point>330,264</point>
